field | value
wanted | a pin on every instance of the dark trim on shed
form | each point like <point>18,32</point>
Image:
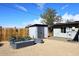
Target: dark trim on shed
<point>37,25</point>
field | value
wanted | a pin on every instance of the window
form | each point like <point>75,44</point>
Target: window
<point>63,30</point>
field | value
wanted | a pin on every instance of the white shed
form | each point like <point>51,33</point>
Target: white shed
<point>38,31</point>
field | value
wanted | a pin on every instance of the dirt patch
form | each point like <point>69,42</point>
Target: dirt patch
<point>50,47</point>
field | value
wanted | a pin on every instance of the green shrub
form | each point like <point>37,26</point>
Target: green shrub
<point>19,38</point>
<point>12,38</point>
<point>28,38</point>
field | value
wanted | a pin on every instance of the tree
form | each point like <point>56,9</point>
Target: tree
<point>50,16</point>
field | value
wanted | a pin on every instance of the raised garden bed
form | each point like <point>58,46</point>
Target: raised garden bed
<point>23,42</point>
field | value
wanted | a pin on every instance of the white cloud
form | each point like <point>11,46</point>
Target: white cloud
<point>67,16</point>
<point>40,5</point>
<point>70,17</point>
<point>35,21</point>
<point>21,7</point>
<point>24,24</point>
<point>65,6</point>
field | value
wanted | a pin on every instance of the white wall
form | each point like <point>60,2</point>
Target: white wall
<point>45,32</point>
<point>57,33</point>
<point>33,32</point>
<point>69,33</point>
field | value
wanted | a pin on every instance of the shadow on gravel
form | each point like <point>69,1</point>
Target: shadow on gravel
<point>1,44</point>
<point>72,41</point>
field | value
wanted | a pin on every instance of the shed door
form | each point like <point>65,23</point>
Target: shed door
<point>40,32</point>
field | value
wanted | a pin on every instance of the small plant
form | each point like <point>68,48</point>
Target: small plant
<point>28,37</point>
<point>19,38</point>
<point>12,38</point>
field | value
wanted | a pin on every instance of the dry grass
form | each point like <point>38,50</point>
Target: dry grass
<point>49,48</point>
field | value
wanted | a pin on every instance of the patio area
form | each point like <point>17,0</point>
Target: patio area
<point>50,47</point>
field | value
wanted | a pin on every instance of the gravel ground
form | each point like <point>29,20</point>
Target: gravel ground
<point>50,47</point>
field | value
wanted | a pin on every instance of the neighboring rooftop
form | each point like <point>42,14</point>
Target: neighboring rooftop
<point>69,24</point>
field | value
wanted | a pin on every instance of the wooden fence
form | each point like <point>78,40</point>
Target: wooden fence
<point>5,33</point>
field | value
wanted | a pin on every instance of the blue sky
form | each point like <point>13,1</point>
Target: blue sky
<point>22,14</point>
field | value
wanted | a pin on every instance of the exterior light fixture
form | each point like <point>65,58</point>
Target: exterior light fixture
<point>73,28</point>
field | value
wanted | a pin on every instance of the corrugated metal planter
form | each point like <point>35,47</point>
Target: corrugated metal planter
<point>21,44</point>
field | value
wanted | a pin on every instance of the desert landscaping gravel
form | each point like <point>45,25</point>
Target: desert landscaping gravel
<point>50,47</point>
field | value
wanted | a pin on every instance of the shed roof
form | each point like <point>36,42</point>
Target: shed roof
<point>37,25</point>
